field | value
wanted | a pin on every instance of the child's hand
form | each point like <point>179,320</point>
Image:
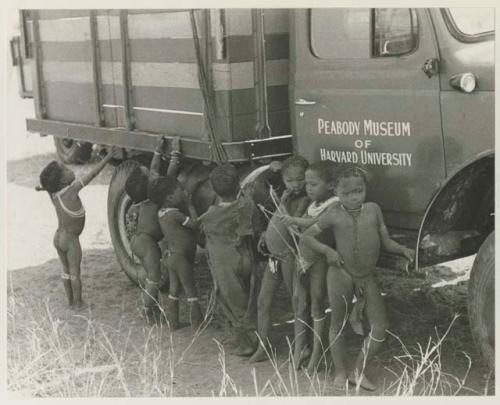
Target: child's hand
<point>285,196</point>
<point>287,220</point>
<point>409,254</point>
<point>162,142</point>
<point>113,153</point>
<point>334,259</point>
<point>176,146</point>
<point>261,244</point>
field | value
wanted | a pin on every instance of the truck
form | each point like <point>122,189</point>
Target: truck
<point>407,93</point>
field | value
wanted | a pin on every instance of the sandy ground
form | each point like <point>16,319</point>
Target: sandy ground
<point>416,310</point>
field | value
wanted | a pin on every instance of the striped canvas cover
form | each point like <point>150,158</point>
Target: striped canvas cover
<point>166,96</point>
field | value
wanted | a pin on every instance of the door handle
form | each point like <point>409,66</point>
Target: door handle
<point>302,101</point>
<point>430,67</point>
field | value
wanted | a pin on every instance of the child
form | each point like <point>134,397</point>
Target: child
<point>311,266</point>
<point>280,243</point>
<point>59,181</point>
<point>359,232</point>
<point>144,241</point>
<point>180,233</point>
<point>229,228</point>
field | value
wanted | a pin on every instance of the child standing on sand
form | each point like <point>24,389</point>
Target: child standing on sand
<point>63,188</point>
<point>311,266</point>
<point>280,244</point>
<point>359,232</point>
<point>229,231</point>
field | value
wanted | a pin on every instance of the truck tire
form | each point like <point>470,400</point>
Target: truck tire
<point>482,300</point>
<point>73,152</point>
<point>118,204</point>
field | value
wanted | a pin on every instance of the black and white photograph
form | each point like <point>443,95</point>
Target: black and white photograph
<point>249,201</point>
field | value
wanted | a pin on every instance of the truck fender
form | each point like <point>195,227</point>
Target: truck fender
<point>465,201</point>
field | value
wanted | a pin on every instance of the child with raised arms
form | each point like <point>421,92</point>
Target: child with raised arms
<point>147,233</point>
<point>63,188</point>
<point>180,232</point>
<point>359,232</point>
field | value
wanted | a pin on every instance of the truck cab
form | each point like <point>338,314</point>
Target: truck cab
<point>408,94</point>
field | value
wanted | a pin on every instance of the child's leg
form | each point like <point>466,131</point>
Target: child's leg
<point>300,299</point>
<point>317,288</point>
<point>65,275</point>
<point>377,317</point>
<point>74,260</point>
<point>340,294</point>
<point>270,283</point>
<point>172,309</point>
<point>151,263</point>
<point>183,265</point>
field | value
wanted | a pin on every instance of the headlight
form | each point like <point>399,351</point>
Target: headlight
<point>465,82</point>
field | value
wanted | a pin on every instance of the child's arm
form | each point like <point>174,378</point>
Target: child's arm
<point>388,244</point>
<point>173,165</point>
<point>154,169</point>
<point>78,184</point>
<point>301,222</point>
<point>309,239</point>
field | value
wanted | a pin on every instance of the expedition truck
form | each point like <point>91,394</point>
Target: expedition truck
<point>408,93</point>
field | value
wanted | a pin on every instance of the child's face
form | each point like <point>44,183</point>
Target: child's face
<point>67,175</point>
<point>294,179</point>
<point>317,189</point>
<point>351,191</point>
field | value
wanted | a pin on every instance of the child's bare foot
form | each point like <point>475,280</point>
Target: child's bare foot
<point>245,349</point>
<point>259,355</point>
<point>340,382</point>
<point>300,356</point>
<point>78,305</point>
<point>364,382</point>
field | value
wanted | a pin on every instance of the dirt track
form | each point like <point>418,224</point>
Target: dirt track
<point>416,310</point>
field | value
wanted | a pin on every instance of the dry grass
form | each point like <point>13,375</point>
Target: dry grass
<point>44,361</point>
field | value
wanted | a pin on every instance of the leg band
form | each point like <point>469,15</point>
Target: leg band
<point>65,276</point>
<point>319,320</point>
<point>171,297</point>
<point>376,340</point>
<point>192,299</point>
<point>150,282</point>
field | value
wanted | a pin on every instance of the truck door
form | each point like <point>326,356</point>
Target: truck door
<point>365,89</point>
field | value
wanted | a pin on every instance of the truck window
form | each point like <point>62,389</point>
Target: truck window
<point>360,33</point>
<point>468,24</point>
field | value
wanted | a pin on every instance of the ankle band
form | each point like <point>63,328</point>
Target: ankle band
<point>375,340</point>
<point>171,297</point>
<point>319,320</point>
<point>65,276</point>
<point>192,299</point>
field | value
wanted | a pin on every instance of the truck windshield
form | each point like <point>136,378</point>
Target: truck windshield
<point>472,22</point>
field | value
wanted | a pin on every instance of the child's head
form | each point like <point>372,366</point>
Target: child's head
<point>350,186</point>
<point>225,181</point>
<point>293,173</point>
<point>320,180</point>
<point>55,176</point>
<point>165,191</point>
<point>136,185</point>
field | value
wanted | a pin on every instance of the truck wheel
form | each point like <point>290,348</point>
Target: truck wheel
<point>118,205</point>
<point>70,151</point>
<point>482,300</point>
